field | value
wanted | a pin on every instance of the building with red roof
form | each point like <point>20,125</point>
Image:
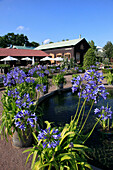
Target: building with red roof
<point>35,55</point>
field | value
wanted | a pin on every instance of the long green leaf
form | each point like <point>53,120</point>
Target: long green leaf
<point>34,158</point>
<point>69,133</point>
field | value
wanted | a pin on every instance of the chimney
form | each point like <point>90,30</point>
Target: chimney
<point>80,36</point>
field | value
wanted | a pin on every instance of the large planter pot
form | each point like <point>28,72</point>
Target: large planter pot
<point>25,140</point>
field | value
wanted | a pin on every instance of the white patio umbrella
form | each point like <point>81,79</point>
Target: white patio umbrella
<point>8,58</point>
<point>46,58</point>
<point>27,59</point>
<point>58,59</point>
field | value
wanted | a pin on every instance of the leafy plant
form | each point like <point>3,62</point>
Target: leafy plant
<point>18,103</point>
<point>66,150</point>
<point>109,78</point>
<point>89,58</point>
<point>59,78</point>
<point>59,150</point>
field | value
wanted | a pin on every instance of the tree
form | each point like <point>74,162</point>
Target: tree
<point>89,58</point>
<point>108,49</point>
<point>51,42</point>
<point>34,44</point>
<point>16,39</point>
<point>92,44</point>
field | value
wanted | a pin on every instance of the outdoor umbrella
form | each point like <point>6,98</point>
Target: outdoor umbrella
<point>8,58</point>
<point>27,59</point>
<point>46,58</point>
<point>58,59</point>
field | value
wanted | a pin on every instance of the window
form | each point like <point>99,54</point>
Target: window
<point>78,57</point>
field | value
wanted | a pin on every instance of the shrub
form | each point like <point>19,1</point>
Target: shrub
<point>89,59</point>
<point>59,78</point>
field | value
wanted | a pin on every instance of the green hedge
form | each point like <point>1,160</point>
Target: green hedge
<point>4,65</point>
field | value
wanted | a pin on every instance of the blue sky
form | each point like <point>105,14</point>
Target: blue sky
<point>55,20</point>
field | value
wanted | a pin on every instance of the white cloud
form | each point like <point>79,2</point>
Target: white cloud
<point>46,41</point>
<point>20,28</point>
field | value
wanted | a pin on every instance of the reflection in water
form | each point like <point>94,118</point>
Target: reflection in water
<point>60,107</point>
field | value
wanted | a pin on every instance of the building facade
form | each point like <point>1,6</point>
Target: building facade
<point>70,49</point>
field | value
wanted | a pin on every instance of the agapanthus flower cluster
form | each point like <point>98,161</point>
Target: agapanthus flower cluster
<point>29,80</point>
<point>104,112</point>
<point>39,70</point>
<point>41,87</point>
<point>13,93</point>
<point>15,76</point>
<point>50,138</point>
<point>33,70</point>
<point>93,76</point>
<point>89,86</point>
<point>25,118</point>
<point>24,101</point>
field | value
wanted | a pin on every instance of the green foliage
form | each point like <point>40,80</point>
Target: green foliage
<point>92,44</point>
<point>16,39</point>
<point>108,48</point>
<point>10,109</point>
<point>4,65</point>
<point>74,75</point>
<point>71,62</point>
<point>59,78</point>
<point>89,59</point>
<point>109,78</point>
<point>106,61</point>
<point>69,154</point>
<point>42,80</point>
<point>106,70</point>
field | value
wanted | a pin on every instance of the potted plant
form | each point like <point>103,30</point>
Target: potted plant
<point>19,117</point>
<point>58,80</point>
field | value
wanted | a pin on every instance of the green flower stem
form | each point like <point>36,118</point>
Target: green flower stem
<point>77,110</point>
<point>108,123</point>
<point>86,117</point>
<point>92,130</point>
<point>82,117</point>
<point>81,110</point>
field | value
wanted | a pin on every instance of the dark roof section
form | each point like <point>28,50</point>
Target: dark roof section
<point>21,52</point>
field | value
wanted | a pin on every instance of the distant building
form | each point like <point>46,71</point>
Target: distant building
<point>21,47</point>
<point>100,49</point>
<point>35,55</point>
<point>71,49</point>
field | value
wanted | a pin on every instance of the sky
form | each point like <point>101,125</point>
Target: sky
<point>55,20</point>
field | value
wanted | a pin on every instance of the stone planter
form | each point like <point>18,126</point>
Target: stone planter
<point>25,140</point>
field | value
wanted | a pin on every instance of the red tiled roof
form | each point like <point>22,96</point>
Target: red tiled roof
<point>21,52</point>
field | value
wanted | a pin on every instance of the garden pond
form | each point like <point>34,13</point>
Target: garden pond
<point>59,108</point>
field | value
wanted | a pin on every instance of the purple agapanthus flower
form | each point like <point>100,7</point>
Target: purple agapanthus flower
<point>25,118</point>
<point>50,138</point>
<point>92,88</point>
<point>104,112</point>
